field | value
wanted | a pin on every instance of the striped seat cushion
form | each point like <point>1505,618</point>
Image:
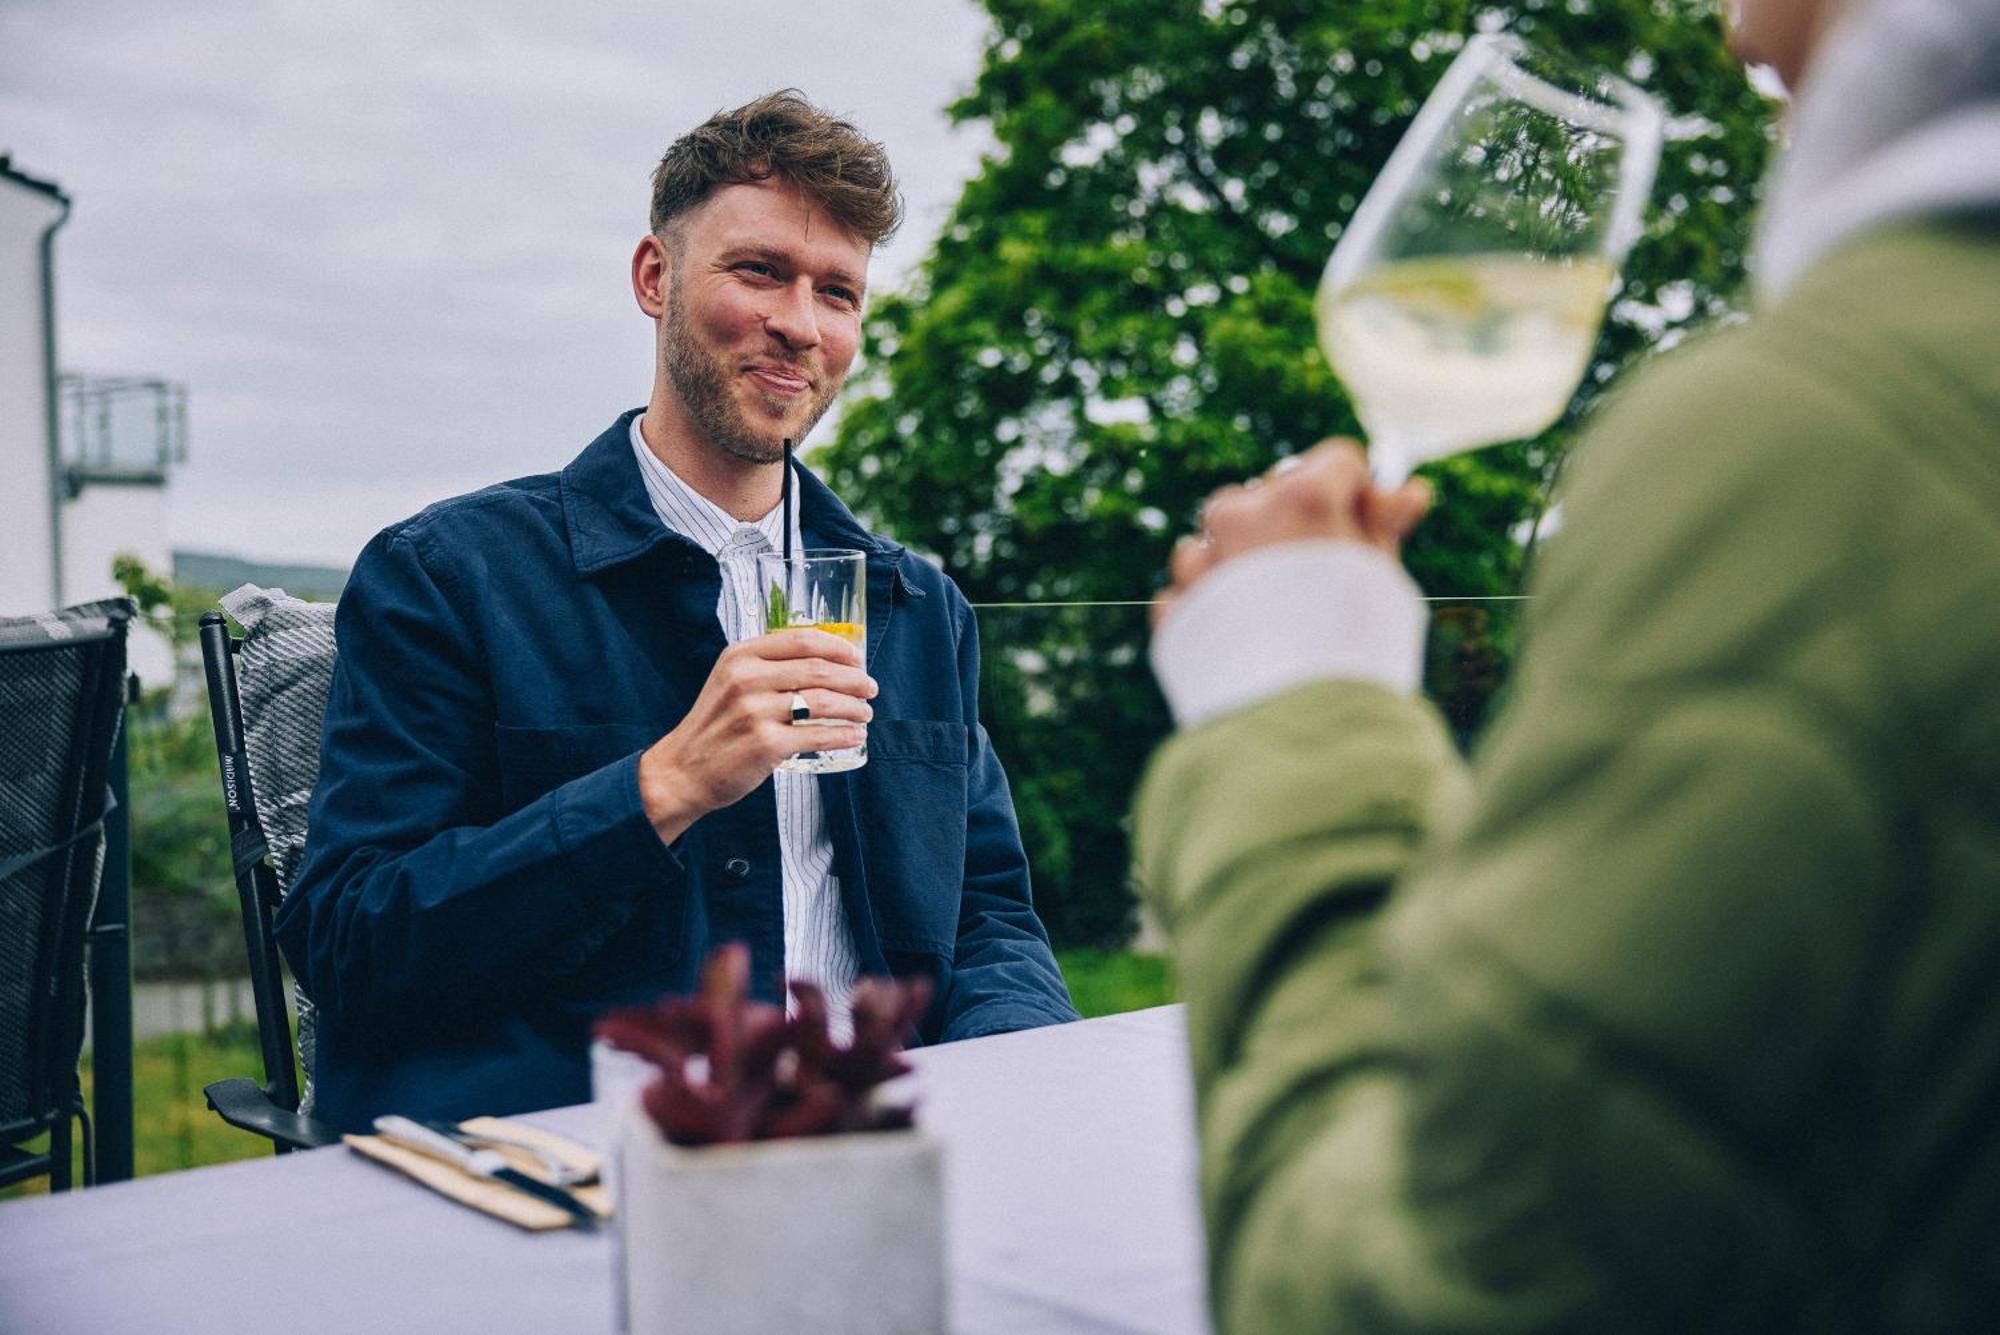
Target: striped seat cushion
<point>283,673</point>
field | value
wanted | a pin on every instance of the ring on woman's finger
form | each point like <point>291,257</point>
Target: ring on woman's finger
<point>801,711</point>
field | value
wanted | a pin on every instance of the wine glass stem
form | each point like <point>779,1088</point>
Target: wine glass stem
<point>1389,464</point>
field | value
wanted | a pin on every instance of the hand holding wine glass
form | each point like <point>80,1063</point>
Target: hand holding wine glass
<point>1322,494</point>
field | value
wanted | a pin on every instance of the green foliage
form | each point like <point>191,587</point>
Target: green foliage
<point>1467,655</point>
<point>174,610</point>
<point>172,1127</point>
<point>184,908</point>
<point>185,919</point>
<point>1108,982</point>
<point>1117,319</point>
<point>1072,708</point>
<point>150,590</point>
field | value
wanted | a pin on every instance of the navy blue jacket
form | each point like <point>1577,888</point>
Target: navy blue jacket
<point>480,879</point>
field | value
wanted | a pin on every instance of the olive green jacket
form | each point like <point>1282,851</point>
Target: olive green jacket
<point>1679,1010</point>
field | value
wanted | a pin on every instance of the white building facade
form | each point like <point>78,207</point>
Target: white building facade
<point>30,471</point>
<point>84,460</point>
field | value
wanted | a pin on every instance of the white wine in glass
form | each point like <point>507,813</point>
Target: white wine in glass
<point>1462,303</point>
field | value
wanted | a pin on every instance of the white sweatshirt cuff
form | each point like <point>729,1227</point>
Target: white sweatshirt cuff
<point>1278,617</point>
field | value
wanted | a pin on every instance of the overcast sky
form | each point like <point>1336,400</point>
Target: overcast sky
<point>385,244</point>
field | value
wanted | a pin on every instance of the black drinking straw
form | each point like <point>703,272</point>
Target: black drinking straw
<point>788,502</point>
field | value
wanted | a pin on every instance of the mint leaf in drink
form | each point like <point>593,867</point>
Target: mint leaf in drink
<point>777,612</point>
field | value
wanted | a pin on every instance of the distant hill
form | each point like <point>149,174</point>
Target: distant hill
<point>219,574</point>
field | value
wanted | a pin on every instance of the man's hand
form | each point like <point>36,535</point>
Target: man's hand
<point>741,725</point>
<point>1323,493</point>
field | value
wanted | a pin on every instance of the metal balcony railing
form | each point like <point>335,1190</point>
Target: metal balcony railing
<point>121,429</point>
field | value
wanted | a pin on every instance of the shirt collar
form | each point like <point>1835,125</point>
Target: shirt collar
<point>697,518</point>
<point>610,519</point>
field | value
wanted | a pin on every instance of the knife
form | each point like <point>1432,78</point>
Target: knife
<point>554,1170</point>
<point>481,1163</point>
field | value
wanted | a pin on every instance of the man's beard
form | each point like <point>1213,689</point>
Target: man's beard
<point>703,382</point>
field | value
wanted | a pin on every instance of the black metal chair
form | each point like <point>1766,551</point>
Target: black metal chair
<point>270,1109</point>
<point>62,701</point>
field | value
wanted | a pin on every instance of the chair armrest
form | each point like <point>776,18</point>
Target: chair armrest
<point>243,1104</point>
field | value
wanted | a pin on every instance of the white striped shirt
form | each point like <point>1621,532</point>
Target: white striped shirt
<point>819,947</point>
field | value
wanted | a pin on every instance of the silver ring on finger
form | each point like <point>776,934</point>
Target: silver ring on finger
<point>801,711</point>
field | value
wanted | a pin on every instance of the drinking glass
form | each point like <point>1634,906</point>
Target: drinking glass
<point>825,588</point>
<point>1463,300</point>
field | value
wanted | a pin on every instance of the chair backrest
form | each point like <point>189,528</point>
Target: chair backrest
<point>62,699</point>
<point>267,695</point>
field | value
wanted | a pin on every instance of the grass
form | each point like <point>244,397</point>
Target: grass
<point>1109,982</point>
<point>174,1128</point>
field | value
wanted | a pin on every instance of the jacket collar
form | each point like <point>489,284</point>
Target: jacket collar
<point>611,520</point>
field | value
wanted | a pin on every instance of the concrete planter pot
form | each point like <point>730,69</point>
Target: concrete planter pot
<point>832,1234</point>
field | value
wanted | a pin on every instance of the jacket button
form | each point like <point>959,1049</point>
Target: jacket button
<point>739,868</point>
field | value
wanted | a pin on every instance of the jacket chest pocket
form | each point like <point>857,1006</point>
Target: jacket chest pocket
<point>911,798</point>
<point>533,761</point>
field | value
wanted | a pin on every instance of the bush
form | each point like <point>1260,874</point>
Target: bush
<point>185,922</point>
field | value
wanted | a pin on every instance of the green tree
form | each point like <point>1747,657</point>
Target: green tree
<point>184,908</point>
<point>1117,319</point>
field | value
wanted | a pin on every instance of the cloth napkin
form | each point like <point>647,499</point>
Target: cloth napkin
<point>485,1195</point>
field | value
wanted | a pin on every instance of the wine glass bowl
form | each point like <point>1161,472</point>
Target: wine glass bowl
<point>1463,300</point>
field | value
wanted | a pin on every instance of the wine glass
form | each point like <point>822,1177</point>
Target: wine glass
<point>1463,300</point>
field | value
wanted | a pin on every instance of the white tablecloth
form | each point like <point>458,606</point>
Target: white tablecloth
<point>1070,1197</point>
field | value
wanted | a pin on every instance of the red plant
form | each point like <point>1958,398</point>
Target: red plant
<point>732,1069</point>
